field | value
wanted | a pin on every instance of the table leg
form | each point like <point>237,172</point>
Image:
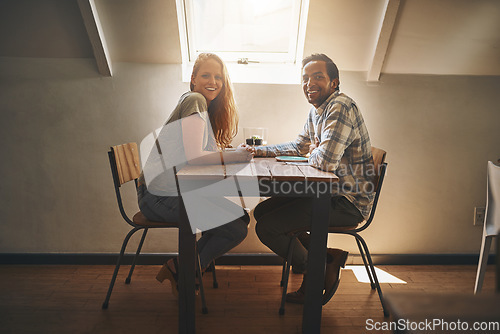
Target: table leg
<point>186,283</point>
<point>311,319</point>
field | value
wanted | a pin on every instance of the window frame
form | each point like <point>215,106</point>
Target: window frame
<point>266,68</point>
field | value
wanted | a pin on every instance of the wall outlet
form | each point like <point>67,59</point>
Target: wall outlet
<point>479,216</point>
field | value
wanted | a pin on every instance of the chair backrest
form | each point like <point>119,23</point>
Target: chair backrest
<point>127,162</point>
<point>380,167</point>
<point>378,160</point>
<point>492,218</point>
<point>125,167</point>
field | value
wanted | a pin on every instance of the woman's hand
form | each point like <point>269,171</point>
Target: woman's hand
<point>240,154</point>
<point>249,148</point>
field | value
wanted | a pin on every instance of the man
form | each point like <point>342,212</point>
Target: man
<point>337,140</point>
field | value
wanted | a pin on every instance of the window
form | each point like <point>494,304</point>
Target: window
<point>260,40</point>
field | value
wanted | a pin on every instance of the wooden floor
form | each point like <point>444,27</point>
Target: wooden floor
<point>68,299</point>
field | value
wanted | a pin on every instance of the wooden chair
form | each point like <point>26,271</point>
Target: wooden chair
<point>381,167</point>
<point>491,222</point>
<point>125,167</point>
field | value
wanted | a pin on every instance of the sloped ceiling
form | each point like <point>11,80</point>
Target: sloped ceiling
<point>141,31</point>
<point>42,29</point>
<point>445,37</point>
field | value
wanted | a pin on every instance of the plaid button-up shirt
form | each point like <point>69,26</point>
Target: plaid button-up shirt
<point>344,149</point>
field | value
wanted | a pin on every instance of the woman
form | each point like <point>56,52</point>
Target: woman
<point>200,128</point>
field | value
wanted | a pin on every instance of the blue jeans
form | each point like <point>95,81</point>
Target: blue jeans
<point>213,243</point>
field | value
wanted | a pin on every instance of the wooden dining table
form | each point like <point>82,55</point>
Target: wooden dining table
<point>273,179</point>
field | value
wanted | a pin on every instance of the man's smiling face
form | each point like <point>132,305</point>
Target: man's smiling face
<point>316,83</point>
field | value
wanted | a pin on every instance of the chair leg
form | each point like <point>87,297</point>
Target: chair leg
<point>283,272</point>
<point>129,277</point>
<point>286,267</point>
<point>368,272</point>
<point>283,269</point>
<point>204,308</point>
<point>374,274</point>
<point>211,267</point>
<point>483,261</point>
<point>215,284</point>
<point>117,267</point>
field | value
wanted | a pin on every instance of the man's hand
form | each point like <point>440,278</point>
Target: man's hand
<point>312,147</point>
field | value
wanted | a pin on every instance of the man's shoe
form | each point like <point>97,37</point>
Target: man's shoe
<point>336,258</point>
<point>298,296</point>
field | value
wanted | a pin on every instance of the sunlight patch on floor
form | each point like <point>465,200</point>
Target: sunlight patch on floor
<point>383,276</point>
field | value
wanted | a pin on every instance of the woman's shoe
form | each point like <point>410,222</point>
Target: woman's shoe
<point>166,273</point>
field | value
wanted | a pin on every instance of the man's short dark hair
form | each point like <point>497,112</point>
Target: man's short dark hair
<point>331,68</point>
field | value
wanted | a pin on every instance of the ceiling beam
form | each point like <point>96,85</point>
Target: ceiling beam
<point>96,36</point>
<point>390,14</point>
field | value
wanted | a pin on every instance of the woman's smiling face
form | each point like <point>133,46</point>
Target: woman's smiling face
<point>208,81</point>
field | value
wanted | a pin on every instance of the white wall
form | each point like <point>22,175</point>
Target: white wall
<point>59,118</point>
